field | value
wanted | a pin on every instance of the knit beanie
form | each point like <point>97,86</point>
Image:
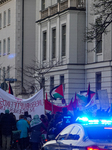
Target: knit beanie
<point>6,111</point>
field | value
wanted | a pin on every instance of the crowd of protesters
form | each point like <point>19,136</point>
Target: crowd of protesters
<point>31,129</point>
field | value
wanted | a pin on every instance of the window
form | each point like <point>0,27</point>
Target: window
<point>62,81</point>
<point>9,16</point>
<point>51,83</point>
<point>98,83</point>
<point>43,4</point>
<point>4,47</point>
<point>99,37</point>
<point>53,43</point>
<point>4,18</point>
<point>0,47</point>
<point>63,134</point>
<point>8,45</point>
<point>0,21</point>
<point>8,72</point>
<point>0,75</point>
<point>44,44</point>
<point>75,133</point>
<point>63,40</point>
<point>43,85</point>
<point>3,73</point>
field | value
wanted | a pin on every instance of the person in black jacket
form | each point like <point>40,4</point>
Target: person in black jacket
<point>52,128</point>
<point>7,123</point>
<point>1,131</point>
<point>27,116</point>
<point>35,131</point>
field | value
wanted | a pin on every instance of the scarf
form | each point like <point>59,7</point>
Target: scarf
<point>36,120</point>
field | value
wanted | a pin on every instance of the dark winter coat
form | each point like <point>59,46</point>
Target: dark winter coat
<point>7,123</point>
<point>35,131</point>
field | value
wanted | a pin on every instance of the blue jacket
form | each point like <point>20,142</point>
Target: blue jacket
<point>23,126</point>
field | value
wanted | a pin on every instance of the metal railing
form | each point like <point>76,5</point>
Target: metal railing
<point>53,9</point>
<point>61,6</point>
<point>44,13</point>
<point>3,1</point>
<point>81,3</point>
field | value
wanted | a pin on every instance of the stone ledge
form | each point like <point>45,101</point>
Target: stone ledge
<point>2,2</point>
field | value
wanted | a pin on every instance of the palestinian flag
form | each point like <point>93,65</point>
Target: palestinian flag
<point>82,95</point>
<point>57,92</point>
<point>86,96</point>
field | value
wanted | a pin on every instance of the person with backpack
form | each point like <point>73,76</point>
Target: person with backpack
<point>35,132</point>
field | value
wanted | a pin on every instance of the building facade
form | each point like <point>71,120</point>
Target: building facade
<point>17,40</point>
<point>60,42</point>
<point>98,65</point>
<point>52,31</point>
<point>61,25</point>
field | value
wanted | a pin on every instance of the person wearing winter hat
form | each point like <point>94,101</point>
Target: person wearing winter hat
<point>35,129</point>
<point>6,123</point>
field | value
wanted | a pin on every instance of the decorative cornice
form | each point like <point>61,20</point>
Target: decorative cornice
<point>71,8</point>
<point>2,2</point>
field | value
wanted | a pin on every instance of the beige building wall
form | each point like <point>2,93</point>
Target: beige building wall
<point>70,66</point>
<point>8,31</point>
<point>21,32</point>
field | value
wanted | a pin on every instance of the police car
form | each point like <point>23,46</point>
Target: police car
<point>86,134</point>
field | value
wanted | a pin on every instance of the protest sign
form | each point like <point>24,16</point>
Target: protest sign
<point>34,105</point>
<point>103,99</point>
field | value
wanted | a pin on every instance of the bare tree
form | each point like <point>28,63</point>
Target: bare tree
<point>103,9</point>
<point>34,75</point>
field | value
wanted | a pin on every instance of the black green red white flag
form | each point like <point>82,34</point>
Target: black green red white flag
<point>57,92</point>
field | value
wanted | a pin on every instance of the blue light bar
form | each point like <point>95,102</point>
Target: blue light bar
<point>85,120</point>
<point>106,122</point>
<point>82,119</point>
<point>93,121</point>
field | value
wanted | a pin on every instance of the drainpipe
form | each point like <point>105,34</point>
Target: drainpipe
<point>86,28</point>
<point>86,41</point>
<point>22,44</point>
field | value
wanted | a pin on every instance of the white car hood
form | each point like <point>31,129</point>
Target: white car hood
<point>50,142</point>
<point>81,143</point>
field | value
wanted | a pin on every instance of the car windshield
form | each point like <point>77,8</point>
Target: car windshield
<point>99,132</point>
<point>64,133</point>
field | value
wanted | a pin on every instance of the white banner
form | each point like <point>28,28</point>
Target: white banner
<point>103,99</point>
<point>34,105</point>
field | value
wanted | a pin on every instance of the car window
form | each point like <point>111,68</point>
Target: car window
<point>64,133</point>
<point>75,133</point>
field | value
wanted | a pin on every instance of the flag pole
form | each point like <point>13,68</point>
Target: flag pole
<point>43,100</point>
<point>88,93</point>
<point>52,106</point>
